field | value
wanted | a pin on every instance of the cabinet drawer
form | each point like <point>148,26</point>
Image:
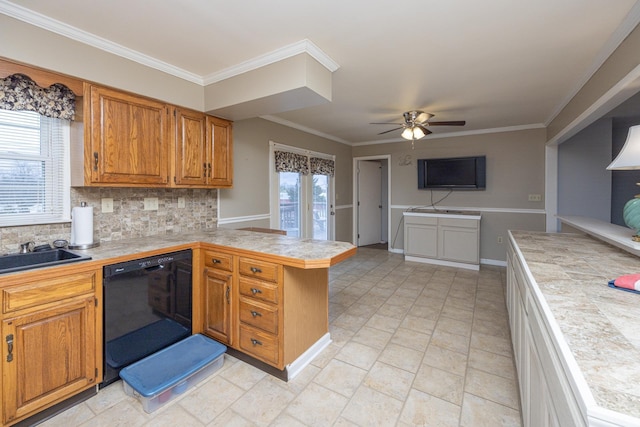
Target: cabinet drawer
<point>264,291</point>
<point>218,260</point>
<point>421,220</point>
<point>45,291</point>
<point>259,315</point>
<point>259,269</point>
<point>456,222</point>
<point>261,345</point>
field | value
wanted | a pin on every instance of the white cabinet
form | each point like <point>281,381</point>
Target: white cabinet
<point>546,396</point>
<point>442,238</point>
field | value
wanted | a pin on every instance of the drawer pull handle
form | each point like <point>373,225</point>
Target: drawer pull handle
<point>9,347</point>
<point>216,261</point>
<point>255,270</point>
<point>256,313</point>
<point>255,341</point>
<point>255,291</point>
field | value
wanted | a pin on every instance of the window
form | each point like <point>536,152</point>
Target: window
<point>302,192</point>
<point>34,170</point>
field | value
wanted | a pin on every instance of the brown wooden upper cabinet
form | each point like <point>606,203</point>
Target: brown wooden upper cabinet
<point>220,149</point>
<point>190,157</point>
<point>129,138</point>
<point>203,150</point>
<point>133,141</point>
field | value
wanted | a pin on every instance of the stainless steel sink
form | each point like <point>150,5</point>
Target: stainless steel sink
<point>18,262</point>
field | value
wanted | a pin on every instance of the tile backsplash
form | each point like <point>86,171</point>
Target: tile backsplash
<point>128,219</point>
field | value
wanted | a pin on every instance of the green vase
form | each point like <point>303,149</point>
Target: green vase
<point>631,213</point>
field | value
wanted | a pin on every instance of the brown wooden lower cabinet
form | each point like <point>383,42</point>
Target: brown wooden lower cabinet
<point>272,312</point>
<point>217,291</point>
<point>50,343</point>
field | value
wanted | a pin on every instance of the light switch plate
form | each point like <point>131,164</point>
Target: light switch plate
<point>107,205</point>
<point>181,203</point>
<point>535,197</point>
<point>150,203</point>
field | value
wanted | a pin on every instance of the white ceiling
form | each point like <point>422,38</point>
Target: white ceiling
<point>494,63</point>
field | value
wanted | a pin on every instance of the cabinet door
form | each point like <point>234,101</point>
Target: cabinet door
<point>459,244</point>
<point>220,138</point>
<point>129,139</point>
<point>421,240</point>
<point>47,356</point>
<point>191,162</point>
<point>217,289</point>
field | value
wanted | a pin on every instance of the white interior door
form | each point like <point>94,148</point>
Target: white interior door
<point>369,202</point>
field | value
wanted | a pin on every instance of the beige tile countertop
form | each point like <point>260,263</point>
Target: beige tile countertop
<point>303,253</point>
<point>599,324</point>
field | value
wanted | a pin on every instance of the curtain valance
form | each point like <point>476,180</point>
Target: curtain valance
<point>18,92</point>
<point>287,161</point>
<point>291,162</point>
<point>322,166</point>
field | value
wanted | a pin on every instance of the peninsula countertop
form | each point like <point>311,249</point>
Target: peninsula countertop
<point>286,250</point>
<point>297,252</point>
<point>599,324</point>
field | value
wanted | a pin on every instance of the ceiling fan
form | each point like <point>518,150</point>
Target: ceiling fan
<point>416,123</point>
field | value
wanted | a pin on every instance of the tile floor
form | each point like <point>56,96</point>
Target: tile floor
<point>413,345</point>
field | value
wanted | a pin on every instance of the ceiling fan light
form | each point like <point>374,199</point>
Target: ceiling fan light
<point>407,133</point>
<point>418,133</point>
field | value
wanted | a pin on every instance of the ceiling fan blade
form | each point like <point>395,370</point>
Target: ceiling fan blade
<point>451,123</point>
<point>391,130</point>
<point>386,123</point>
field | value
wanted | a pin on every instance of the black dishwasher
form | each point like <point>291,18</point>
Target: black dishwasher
<point>147,307</point>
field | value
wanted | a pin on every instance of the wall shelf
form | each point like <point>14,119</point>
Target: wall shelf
<point>613,234</point>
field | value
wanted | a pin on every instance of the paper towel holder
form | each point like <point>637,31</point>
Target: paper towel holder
<point>84,245</point>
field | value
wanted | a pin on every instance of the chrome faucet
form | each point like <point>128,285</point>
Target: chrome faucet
<point>27,247</point>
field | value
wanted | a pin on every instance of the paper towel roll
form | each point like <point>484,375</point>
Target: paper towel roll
<point>82,225</point>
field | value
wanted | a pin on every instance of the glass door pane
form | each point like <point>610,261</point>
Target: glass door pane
<point>320,207</point>
<point>290,203</point>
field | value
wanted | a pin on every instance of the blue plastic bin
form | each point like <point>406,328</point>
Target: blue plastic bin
<point>158,378</point>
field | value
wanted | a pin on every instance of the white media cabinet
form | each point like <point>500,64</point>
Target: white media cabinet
<point>443,237</point>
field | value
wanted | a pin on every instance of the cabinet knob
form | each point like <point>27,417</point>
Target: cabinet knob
<point>255,313</point>
<point>215,261</point>
<point>255,270</point>
<point>255,291</point>
<point>255,341</point>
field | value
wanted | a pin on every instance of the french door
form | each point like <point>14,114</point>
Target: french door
<point>304,206</point>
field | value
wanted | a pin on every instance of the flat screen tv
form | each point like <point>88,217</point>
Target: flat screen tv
<point>455,173</point>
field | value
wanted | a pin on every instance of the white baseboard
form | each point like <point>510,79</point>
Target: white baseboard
<point>495,262</point>
<point>295,367</point>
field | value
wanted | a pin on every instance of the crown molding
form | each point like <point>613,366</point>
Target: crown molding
<point>306,129</point>
<point>303,46</point>
<point>629,23</point>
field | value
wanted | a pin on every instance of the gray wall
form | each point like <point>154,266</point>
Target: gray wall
<point>584,183</point>
<point>250,193</point>
<point>515,169</point>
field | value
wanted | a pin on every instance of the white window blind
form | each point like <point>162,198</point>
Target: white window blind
<point>34,183</point>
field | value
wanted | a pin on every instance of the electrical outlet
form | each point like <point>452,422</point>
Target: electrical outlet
<point>150,203</point>
<point>181,203</point>
<point>499,239</point>
<point>107,205</point>
<point>535,197</point>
